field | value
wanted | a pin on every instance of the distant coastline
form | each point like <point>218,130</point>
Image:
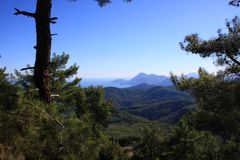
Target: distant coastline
<point>141,78</point>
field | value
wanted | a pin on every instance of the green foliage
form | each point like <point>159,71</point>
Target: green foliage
<point>218,102</point>
<point>29,129</point>
<point>61,75</point>
<point>72,126</point>
<point>61,85</point>
<point>36,130</point>
<point>217,118</point>
<point>121,117</point>
<point>82,139</point>
<point>126,134</point>
<point>181,142</point>
<point>8,94</point>
<point>113,151</point>
<point>151,143</point>
<point>225,47</point>
<point>134,96</point>
<point>154,103</point>
<point>218,109</point>
<point>169,112</point>
<point>187,143</point>
<point>92,101</point>
<point>69,96</point>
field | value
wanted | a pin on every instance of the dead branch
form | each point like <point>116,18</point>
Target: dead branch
<point>29,14</point>
<point>27,68</point>
<point>54,34</point>
<point>53,20</point>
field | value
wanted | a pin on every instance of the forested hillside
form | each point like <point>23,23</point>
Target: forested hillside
<point>151,102</point>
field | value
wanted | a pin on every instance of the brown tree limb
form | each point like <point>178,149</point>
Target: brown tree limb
<point>29,14</point>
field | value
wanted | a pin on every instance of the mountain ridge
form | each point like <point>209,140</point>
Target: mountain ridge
<point>143,78</point>
<point>149,79</point>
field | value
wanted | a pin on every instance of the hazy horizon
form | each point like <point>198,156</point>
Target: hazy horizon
<point>130,77</point>
<point>109,82</point>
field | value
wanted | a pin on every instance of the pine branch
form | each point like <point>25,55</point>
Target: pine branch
<point>235,3</point>
<point>233,59</point>
<point>29,14</point>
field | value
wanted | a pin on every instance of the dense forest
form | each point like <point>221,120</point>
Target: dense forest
<point>45,115</point>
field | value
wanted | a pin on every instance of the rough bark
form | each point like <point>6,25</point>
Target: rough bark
<point>43,20</point>
<point>43,49</point>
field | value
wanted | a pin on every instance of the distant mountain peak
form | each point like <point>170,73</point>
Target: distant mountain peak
<point>143,78</point>
<point>149,79</point>
<point>145,74</point>
<point>141,73</point>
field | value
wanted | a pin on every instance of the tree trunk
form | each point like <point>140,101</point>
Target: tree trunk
<point>43,49</point>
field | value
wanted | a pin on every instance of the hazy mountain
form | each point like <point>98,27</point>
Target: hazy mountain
<point>142,78</point>
<point>165,82</point>
<point>150,79</point>
<point>120,81</point>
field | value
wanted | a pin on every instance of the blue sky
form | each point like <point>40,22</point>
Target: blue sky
<point>119,40</point>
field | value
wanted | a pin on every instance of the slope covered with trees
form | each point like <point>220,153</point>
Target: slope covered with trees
<point>154,103</point>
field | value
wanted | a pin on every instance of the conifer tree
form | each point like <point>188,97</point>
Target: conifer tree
<point>63,81</point>
<point>43,19</point>
<point>225,47</point>
<point>217,96</point>
<point>35,130</point>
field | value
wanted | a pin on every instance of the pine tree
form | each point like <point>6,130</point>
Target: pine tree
<point>8,94</point>
<point>35,130</point>
<point>43,19</point>
<point>62,84</point>
<point>217,96</point>
<point>225,47</point>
